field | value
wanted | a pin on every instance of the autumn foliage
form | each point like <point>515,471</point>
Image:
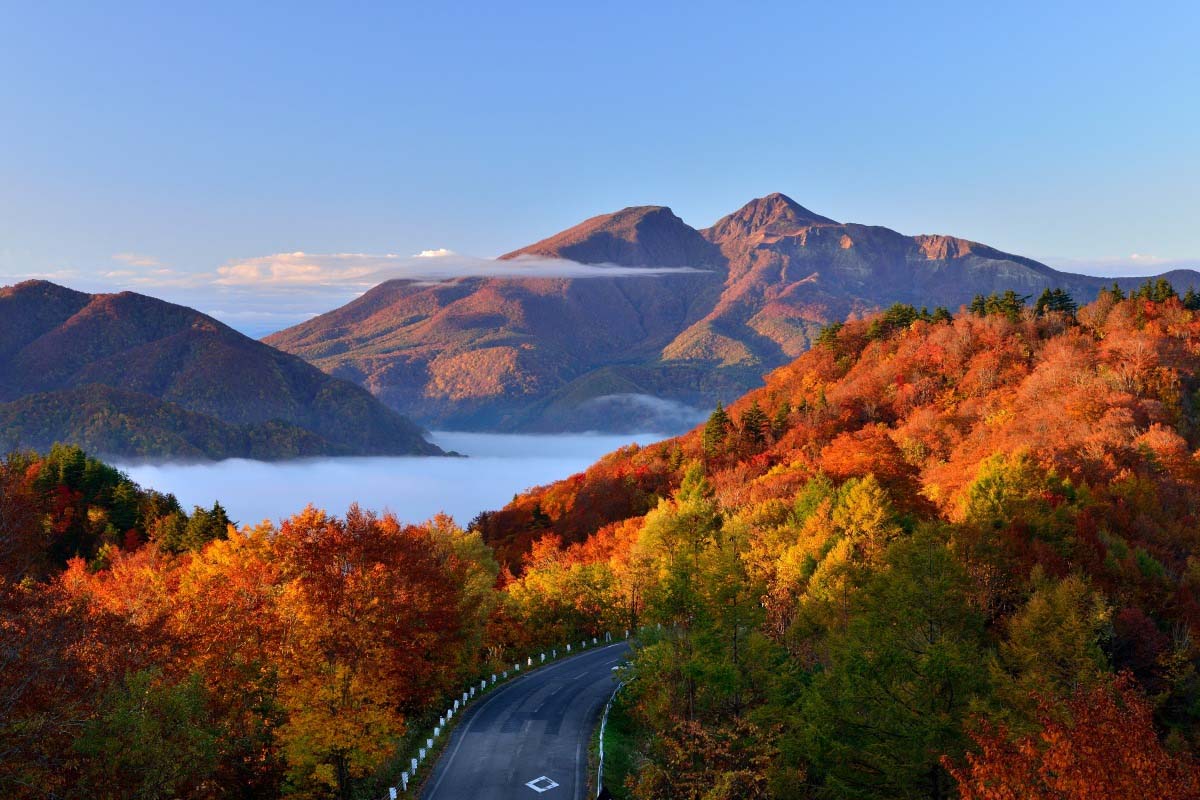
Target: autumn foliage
<point>1102,744</point>
<point>934,557</point>
<point>912,564</point>
<point>255,663</point>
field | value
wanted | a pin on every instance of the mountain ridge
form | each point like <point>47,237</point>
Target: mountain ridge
<point>186,383</point>
<point>538,353</point>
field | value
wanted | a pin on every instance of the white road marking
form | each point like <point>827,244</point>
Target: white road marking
<point>542,784</point>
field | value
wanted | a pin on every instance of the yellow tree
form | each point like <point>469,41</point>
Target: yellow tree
<point>371,611</point>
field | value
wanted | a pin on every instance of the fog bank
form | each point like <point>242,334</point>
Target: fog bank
<point>414,488</point>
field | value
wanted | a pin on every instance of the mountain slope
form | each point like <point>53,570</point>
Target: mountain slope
<point>187,384</point>
<point>928,552</point>
<point>599,352</point>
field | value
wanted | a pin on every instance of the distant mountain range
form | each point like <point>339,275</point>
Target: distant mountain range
<point>128,375</point>
<point>620,353</point>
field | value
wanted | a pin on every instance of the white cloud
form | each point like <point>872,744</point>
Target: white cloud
<point>363,269</point>
<point>137,259</point>
<point>267,293</point>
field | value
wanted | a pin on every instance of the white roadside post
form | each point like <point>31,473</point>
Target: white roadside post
<point>437,731</point>
<point>568,647</point>
<point>421,754</point>
<point>429,744</point>
<point>392,792</point>
<point>403,782</point>
<point>414,766</point>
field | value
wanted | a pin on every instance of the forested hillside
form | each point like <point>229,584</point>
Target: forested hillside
<point>937,556</point>
<point>933,557</point>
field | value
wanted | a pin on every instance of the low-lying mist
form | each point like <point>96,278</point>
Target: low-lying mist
<point>414,488</point>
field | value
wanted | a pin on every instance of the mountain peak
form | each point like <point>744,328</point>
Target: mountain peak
<point>40,287</point>
<point>774,214</point>
<point>636,236</point>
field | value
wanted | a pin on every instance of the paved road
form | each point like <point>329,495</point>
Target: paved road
<point>537,726</point>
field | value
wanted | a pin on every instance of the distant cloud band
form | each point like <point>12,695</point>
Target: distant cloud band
<point>364,270</point>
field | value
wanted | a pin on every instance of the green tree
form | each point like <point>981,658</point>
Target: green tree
<point>150,739</point>
<point>1156,291</point>
<point>1053,646</point>
<point>716,431</point>
<point>900,677</point>
<point>781,418</point>
<point>1055,300</point>
<point>754,427</point>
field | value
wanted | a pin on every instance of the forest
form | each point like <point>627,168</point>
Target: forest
<point>938,555</point>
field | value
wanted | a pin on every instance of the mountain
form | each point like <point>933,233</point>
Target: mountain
<point>628,352</point>
<point>129,375</point>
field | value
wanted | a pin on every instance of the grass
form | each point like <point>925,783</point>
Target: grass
<point>620,748</point>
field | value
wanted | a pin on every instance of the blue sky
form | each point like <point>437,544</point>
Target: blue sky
<point>148,144</point>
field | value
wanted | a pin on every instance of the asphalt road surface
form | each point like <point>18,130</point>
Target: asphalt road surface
<point>529,739</point>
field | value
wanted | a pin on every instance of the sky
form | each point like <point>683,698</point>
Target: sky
<point>244,156</point>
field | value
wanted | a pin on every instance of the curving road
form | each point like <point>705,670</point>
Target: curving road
<point>536,727</point>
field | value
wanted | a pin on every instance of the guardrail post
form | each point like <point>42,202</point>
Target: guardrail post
<point>414,766</point>
<point>421,754</point>
<point>568,647</point>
